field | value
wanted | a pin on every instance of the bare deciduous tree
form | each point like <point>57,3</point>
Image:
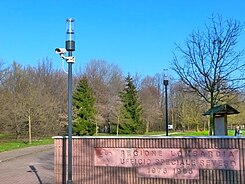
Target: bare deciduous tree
<point>189,107</point>
<point>106,81</point>
<point>150,97</point>
<point>209,63</point>
<point>31,101</point>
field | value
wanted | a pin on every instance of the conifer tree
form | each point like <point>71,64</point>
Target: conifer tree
<point>84,109</point>
<point>131,111</point>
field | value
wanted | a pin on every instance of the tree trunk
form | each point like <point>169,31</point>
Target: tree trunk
<point>117,125</point>
<point>29,122</point>
<point>211,127</point>
<point>147,126</point>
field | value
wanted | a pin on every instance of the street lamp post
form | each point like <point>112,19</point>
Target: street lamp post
<point>165,83</point>
<point>70,47</point>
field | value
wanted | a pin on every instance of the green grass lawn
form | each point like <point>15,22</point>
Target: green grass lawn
<point>7,143</point>
<point>187,133</point>
<point>171,133</point>
<point>200,133</point>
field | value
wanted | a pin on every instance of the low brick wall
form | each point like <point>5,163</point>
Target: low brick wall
<point>152,160</point>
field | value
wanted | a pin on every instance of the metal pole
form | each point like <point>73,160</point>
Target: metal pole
<point>69,181</point>
<point>166,105</point>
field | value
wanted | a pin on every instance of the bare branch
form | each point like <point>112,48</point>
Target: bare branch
<point>209,63</point>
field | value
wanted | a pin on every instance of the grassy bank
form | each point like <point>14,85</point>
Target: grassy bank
<point>7,143</point>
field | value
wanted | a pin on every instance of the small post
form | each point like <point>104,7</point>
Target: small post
<point>165,83</point>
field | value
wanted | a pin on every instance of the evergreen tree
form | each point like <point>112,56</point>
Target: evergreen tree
<point>131,110</point>
<point>84,109</point>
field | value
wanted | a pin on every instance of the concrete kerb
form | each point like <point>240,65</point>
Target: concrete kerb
<point>13,154</point>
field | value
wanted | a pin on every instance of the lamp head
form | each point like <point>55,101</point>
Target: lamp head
<point>70,34</point>
<point>165,77</point>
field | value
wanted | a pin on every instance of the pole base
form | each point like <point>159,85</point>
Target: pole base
<point>69,181</point>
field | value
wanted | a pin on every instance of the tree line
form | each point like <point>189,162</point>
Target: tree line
<point>37,96</point>
<point>210,72</point>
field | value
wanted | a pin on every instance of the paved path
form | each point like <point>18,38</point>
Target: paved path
<point>33,165</point>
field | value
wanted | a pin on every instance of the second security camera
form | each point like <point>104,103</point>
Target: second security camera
<point>60,51</point>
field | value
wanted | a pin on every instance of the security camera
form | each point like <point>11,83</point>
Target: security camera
<point>60,51</point>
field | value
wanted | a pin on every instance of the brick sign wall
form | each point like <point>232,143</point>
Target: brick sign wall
<point>155,160</point>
